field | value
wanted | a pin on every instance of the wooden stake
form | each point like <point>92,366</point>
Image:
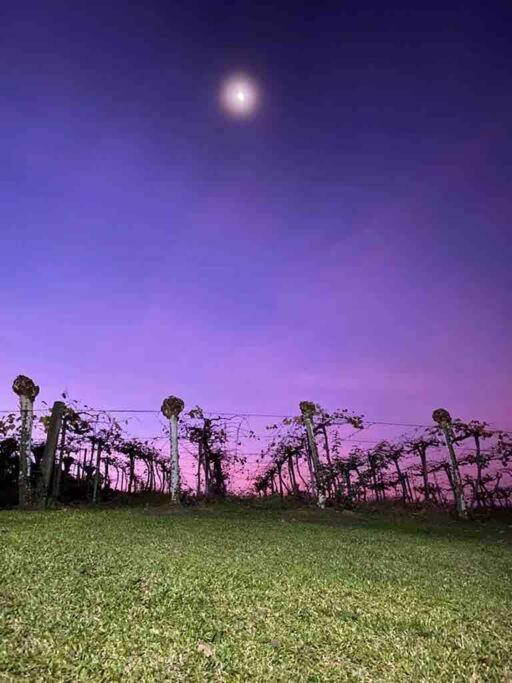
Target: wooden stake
<point>50,449</point>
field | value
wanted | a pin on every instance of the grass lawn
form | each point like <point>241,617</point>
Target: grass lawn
<point>232,594</point>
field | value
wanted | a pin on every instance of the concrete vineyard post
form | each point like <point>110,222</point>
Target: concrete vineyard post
<point>171,409</point>
<point>307,410</point>
<point>443,419</point>
<point>27,391</point>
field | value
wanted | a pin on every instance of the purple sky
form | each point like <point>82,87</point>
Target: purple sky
<point>351,244</point>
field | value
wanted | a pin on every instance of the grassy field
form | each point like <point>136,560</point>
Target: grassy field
<point>231,594</point>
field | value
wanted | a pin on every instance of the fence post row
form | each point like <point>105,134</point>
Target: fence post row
<point>172,406</point>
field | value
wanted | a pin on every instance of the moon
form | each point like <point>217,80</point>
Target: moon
<point>239,96</point>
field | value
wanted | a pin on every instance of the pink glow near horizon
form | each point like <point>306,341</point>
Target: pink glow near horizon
<point>152,427</point>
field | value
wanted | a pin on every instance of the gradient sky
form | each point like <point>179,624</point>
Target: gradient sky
<point>351,244</point>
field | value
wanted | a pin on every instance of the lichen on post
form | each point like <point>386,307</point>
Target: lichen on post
<point>27,391</point>
<point>171,408</point>
<point>442,417</point>
<point>307,408</point>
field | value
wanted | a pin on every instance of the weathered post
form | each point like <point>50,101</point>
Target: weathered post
<point>27,391</point>
<point>171,408</point>
<point>443,419</point>
<point>50,449</point>
<point>308,410</point>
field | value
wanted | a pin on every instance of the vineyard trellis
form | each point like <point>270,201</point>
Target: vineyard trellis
<point>75,452</point>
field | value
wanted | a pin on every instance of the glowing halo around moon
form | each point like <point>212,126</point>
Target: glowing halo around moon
<point>239,96</point>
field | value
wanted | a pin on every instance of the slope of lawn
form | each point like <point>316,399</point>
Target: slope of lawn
<point>232,594</point>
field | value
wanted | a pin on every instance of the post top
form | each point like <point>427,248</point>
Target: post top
<point>307,408</point>
<point>24,386</point>
<point>441,416</point>
<point>172,405</point>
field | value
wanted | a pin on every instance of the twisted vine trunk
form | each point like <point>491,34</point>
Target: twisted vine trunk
<point>422,451</point>
<point>131,472</point>
<point>291,474</point>
<point>299,473</point>
<point>374,479</point>
<point>199,467</point>
<point>96,484</point>
<point>106,481</point>
<point>401,479</point>
<point>480,500</point>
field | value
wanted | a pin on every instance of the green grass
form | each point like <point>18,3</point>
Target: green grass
<point>232,594</point>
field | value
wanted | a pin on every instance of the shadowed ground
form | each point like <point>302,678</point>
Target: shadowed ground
<point>233,594</point>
